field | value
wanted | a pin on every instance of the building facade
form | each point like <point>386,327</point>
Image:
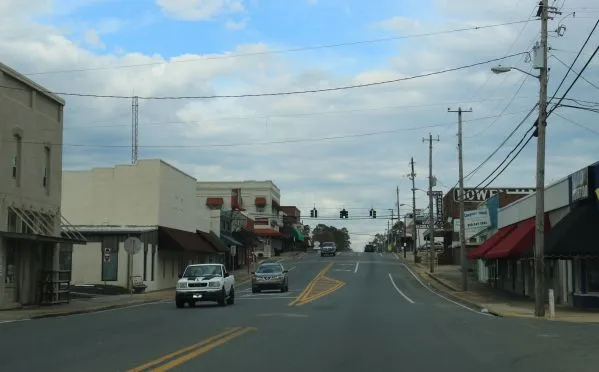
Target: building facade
<point>259,199</point>
<point>150,200</point>
<point>34,257</point>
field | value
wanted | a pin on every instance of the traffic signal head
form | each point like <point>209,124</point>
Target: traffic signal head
<point>315,213</point>
<point>312,213</point>
<point>341,214</point>
<point>373,214</point>
<point>346,214</point>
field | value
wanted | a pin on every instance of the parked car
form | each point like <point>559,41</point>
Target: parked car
<point>205,282</point>
<point>270,275</point>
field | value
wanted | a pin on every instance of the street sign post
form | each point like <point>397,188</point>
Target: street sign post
<point>132,246</point>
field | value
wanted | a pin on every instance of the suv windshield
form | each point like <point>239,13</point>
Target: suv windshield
<point>328,244</point>
<point>203,270</point>
<point>269,269</point>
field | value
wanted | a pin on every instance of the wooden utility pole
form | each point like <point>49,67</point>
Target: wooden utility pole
<point>540,194</point>
<point>412,176</point>
<point>464,260</point>
<point>431,221</point>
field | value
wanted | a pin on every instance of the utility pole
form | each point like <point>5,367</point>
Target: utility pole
<point>540,194</point>
<point>412,176</point>
<point>463,257</point>
<point>431,224</point>
<point>134,129</point>
<point>403,227</point>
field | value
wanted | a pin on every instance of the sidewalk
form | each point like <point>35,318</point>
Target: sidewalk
<point>81,306</point>
<point>448,279</point>
<point>108,302</point>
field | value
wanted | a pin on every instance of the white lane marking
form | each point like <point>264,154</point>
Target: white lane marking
<point>357,265</point>
<point>12,321</point>
<point>399,290</point>
<point>346,270</point>
<point>443,297</point>
<point>291,269</point>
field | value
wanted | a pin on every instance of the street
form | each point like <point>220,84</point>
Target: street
<point>355,312</point>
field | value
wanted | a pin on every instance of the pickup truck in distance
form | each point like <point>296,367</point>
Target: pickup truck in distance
<point>328,249</point>
<point>205,282</point>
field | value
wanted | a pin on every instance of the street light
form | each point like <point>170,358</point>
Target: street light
<point>503,69</point>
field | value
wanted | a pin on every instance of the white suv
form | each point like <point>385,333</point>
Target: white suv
<point>205,282</point>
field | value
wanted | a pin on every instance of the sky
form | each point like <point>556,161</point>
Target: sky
<point>332,149</point>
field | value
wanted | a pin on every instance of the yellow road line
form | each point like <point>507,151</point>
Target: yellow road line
<point>202,350</point>
<point>184,350</point>
<point>320,294</point>
<point>303,294</point>
<point>311,284</point>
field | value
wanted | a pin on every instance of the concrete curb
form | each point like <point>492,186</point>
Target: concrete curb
<point>92,310</point>
<point>451,292</point>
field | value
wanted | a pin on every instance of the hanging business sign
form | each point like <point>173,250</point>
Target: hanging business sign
<point>475,221</point>
<point>580,184</point>
<point>481,195</point>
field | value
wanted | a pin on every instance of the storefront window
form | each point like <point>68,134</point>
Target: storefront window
<point>10,267</point>
<point>65,257</point>
<point>593,275</point>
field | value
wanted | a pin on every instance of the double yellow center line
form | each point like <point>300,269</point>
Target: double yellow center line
<point>174,359</point>
<point>320,279</point>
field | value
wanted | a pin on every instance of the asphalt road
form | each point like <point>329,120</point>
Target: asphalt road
<point>360,312</point>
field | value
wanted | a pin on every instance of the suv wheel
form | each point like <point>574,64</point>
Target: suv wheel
<point>222,301</point>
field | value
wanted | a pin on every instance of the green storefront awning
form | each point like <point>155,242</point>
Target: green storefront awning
<point>297,234</point>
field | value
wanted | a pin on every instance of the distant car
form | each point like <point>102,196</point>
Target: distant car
<point>369,248</point>
<point>270,275</point>
<point>328,249</point>
<point>205,282</point>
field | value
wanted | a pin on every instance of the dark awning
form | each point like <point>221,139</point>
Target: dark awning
<point>174,239</point>
<point>214,241</point>
<point>247,237</point>
<point>229,240</point>
<point>40,238</point>
<point>488,244</point>
<point>575,234</point>
<point>515,243</point>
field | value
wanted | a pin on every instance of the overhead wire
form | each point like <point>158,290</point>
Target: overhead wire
<point>281,51</point>
<point>283,93</point>
<point>578,75</point>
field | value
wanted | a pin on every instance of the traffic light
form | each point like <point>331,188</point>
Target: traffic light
<point>343,213</point>
<point>312,213</point>
<point>373,214</point>
<point>315,213</point>
<point>371,210</point>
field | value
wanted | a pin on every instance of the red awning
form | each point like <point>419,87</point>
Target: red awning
<point>260,201</point>
<point>214,202</point>
<point>521,239</point>
<point>488,244</point>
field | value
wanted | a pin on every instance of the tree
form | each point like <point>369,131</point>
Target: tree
<point>324,233</point>
<point>306,231</point>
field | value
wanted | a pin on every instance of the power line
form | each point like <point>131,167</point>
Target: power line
<point>510,162</point>
<point>291,115</point>
<point>574,61</point>
<point>246,144</point>
<point>283,93</point>
<point>507,157</point>
<point>281,51</point>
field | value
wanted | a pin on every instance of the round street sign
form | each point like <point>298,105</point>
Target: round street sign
<point>132,245</point>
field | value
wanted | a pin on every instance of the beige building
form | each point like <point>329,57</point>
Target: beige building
<point>34,259</point>
<point>150,200</point>
<point>259,199</point>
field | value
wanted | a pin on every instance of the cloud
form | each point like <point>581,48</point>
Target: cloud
<point>92,38</point>
<point>199,10</point>
<point>340,149</point>
<point>235,25</point>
